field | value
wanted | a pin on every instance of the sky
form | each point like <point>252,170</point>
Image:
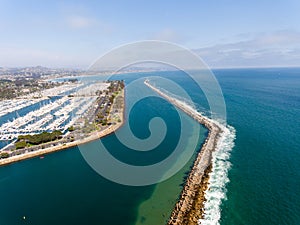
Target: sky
<point>224,33</point>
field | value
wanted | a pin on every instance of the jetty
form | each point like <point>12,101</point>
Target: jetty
<point>189,207</point>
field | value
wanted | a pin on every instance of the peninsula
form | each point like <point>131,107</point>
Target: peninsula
<point>97,116</point>
<point>189,208</point>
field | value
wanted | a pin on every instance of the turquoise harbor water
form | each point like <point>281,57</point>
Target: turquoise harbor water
<point>263,105</point>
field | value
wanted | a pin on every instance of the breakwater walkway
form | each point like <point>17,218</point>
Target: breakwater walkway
<point>189,208</point>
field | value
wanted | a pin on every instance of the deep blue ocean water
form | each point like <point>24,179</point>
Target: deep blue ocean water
<point>263,105</point>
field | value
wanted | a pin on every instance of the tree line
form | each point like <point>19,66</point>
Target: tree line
<point>36,139</point>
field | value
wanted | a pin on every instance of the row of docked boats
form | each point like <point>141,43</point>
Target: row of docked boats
<point>56,114</point>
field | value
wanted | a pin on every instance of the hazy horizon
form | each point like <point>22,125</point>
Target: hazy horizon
<point>73,34</point>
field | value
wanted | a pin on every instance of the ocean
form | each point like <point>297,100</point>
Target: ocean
<point>264,107</point>
<point>259,185</point>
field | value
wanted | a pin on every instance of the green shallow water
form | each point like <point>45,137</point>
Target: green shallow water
<point>158,208</point>
<point>63,189</point>
<point>263,107</point>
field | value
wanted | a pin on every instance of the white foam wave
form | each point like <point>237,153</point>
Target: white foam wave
<point>216,191</point>
<point>218,177</point>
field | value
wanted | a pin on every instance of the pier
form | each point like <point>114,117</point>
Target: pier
<point>189,208</point>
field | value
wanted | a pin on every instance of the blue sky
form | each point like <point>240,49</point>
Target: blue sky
<point>225,33</point>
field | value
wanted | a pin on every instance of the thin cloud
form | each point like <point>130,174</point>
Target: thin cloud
<point>281,48</point>
<point>280,38</point>
<point>84,22</point>
<point>79,22</point>
<point>167,35</point>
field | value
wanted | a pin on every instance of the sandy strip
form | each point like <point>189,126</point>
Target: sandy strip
<point>92,137</point>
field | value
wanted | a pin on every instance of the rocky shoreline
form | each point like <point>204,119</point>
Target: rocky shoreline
<point>189,208</point>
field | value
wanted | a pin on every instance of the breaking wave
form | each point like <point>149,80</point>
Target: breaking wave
<point>218,177</point>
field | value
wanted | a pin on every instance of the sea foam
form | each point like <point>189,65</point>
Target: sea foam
<point>218,177</point>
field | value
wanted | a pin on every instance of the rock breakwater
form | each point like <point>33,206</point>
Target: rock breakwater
<point>190,206</point>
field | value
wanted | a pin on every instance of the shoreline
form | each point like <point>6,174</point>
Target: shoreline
<point>92,137</point>
<point>190,206</point>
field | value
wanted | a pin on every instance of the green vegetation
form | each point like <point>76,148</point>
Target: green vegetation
<point>100,116</point>
<point>4,155</point>
<point>38,138</point>
<point>21,144</point>
<point>111,99</point>
<point>89,127</point>
<point>71,128</point>
<point>104,122</point>
<point>10,89</point>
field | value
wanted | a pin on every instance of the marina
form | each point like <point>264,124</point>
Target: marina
<point>12,105</point>
<point>71,103</point>
<point>5,106</point>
